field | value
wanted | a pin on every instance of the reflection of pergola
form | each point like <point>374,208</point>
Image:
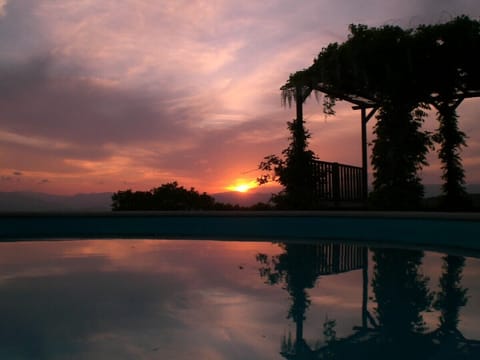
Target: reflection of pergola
<point>444,345</point>
<point>342,258</point>
<point>331,258</point>
<point>368,108</point>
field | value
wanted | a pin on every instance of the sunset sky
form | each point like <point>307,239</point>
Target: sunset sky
<point>103,95</point>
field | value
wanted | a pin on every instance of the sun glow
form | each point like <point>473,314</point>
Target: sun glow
<point>242,186</point>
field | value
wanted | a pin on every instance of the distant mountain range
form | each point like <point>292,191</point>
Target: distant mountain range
<point>243,199</point>
<point>33,201</point>
<point>432,190</point>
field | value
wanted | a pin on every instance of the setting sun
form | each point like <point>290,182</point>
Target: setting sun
<point>241,186</point>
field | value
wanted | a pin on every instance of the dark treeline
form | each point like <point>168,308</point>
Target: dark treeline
<point>171,196</point>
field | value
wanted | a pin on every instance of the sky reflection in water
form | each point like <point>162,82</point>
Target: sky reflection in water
<point>150,299</point>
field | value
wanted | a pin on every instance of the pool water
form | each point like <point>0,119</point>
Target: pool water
<point>191,299</point>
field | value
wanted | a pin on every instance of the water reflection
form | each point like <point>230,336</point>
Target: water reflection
<point>150,299</point>
<point>450,299</point>
<point>298,268</point>
<point>400,297</point>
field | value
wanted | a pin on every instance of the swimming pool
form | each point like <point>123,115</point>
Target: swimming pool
<point>184,299</point>
<point>285,285</point>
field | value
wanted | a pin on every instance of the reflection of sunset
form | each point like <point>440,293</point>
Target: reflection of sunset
<point>241,186</point>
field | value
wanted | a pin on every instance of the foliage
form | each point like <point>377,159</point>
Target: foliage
<point>329,331</point>
<point>400,291</point>
<point>168,196</point>
<point>399,151</point>
<point>451,140</point>
<point>295,269</point>
<point>452,296</point>
<point>330,335</point>
<point>292,170</point>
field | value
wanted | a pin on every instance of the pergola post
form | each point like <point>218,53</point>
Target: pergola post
<point>365,288</point>
<point>364,120</point>
<point>299,103</point>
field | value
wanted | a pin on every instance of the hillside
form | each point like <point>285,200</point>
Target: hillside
<point>32,201</point>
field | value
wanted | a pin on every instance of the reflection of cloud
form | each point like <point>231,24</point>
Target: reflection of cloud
<point>137,299</point>
<point>3,5</point>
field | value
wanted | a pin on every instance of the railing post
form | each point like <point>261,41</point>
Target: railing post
<point>336,183</point>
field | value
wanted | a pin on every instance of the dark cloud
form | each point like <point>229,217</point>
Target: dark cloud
<point>87,112</point>
<point>17,173</point>
<point>22,32</point>
<point>436,11</point>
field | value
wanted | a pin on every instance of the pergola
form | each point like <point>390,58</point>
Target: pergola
<point>400,71</point>
<point>333,259</point>
<point>368,108</point>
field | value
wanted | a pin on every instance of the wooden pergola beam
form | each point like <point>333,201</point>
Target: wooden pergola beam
<point>435,100</point>
<point>359,100</point>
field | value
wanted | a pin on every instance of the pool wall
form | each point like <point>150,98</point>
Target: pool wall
<point>458,230</point>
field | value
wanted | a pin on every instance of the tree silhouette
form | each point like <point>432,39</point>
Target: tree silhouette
<point>168,196</point>
<point>399,152</point>
<point>295,268</point>
<point>293,170</point>
<point>452,296</point>
<point>401,293</point>
<point>451,139</point>
<point>457,44</point>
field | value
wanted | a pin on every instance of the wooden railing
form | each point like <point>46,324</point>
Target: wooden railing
<point>339,258</point>
<point>337,182</point>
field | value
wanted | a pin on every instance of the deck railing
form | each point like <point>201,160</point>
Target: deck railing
<point>339,258</point>
<point>337,182</point>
